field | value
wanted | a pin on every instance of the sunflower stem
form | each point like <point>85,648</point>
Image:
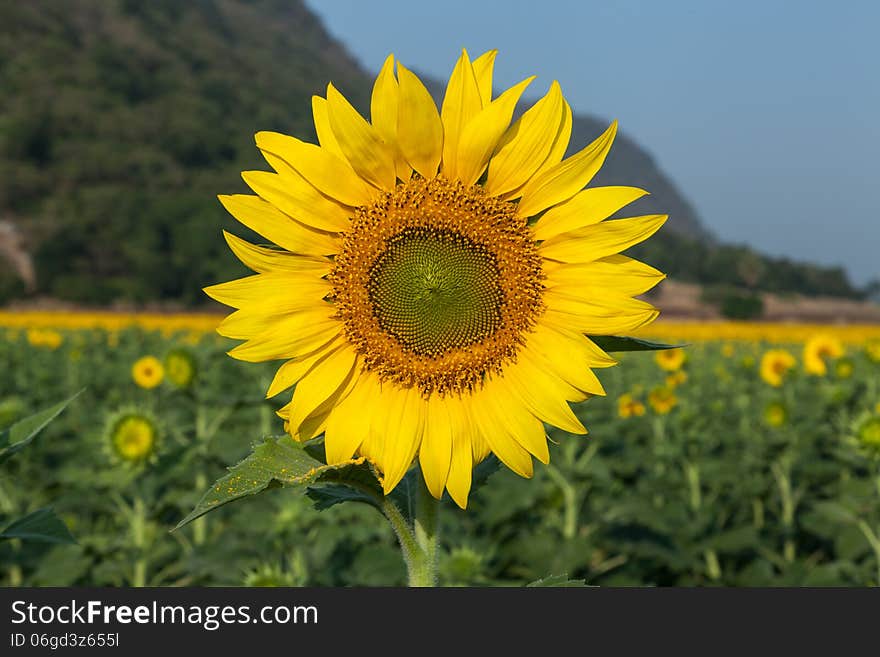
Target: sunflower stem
<point>418,541</point>
<point>426,522</point>
<point>412,553</point>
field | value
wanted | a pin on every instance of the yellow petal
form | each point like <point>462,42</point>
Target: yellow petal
<point>328,173</point>
<point>288,338</point>
<point>383,114</point>
<point>557,151</point>
<point>321,116</point>
<point>562,181</point>
<point>584,347</point>
<point>419,128</point>
<point>520,424</point>
<point>461,463</point>
<point>349,423</point>
<point>262,288</point>
<point>362,145</point>
<point>293,195</point>
<point>491,425</point>
<point>543,394</point>
<point>615,273</point>
<point>435,452</point>
<point>483,67</point>
<point>585,208</point>
<point>263,218</point>
<point>567,358</point>
<point>526,144</point>
<point>260,317</point>
<point>324,379</point>
<point>293,370</point>
<point>480,136</point>
<point>316,422</point>
<point>404,435</point>
<point>599,317</point>
<point>263,260</point>
<point>460,104</point>
<point>602,239</point>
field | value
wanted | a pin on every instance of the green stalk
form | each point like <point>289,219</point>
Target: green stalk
<point>875,544</point>
<point>418,543</point>
<point>783,482</point>
<point>138,530</point>
<point>200,524</point>
<point>569,496</point>
<point>426,523</point>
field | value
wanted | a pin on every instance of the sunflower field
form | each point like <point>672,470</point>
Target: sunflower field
<point>749,457</point>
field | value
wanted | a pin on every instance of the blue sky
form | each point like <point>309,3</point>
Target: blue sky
<point>765,113</point>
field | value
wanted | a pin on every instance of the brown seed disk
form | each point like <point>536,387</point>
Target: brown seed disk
<point>437,284</point>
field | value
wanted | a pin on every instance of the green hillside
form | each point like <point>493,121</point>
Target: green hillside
<point>122,120</point>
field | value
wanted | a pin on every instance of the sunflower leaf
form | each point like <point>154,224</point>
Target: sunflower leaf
<point>20,434</point>
<point>324,497</point>
<point>557,581</point>
<point>277,462</point>
<point>40,525</point>
<point>611,343</point>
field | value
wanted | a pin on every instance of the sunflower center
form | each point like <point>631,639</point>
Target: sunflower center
<point>435,290</point>
<point>437,285</point>
<point>134,438</point>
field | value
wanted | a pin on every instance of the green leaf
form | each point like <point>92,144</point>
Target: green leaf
<point>483,470</point>
<point>17,437</point>
<point>41,525</point>
<point>277,461</point>
<point>326,496</point>
<point>732,540</point>
<point>557,581</point>
<point>836,512</point>
<point>612,343</point>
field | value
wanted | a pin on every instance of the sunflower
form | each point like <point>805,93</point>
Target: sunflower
<point>775,414</point>
<point>180,367</point>
<point>819,350</point>
<point>132,437</point>
<point>670,360</point>
<point>775,364</point>
<point>662,400</point>
<point>865,434</point>
<point>147,372</point>
<point>676,378</point>
<point>628,406</point>
<point>437,275</point>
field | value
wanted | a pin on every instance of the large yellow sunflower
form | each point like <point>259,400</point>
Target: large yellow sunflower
<point>438,273</point>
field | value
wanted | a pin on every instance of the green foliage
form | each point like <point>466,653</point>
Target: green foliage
<point>41,525</point>
<point>706,495</point>
<point>734,303</point>
<point>557,581</point>
<point>20,434</point>
<point>275,462</point>
<point>122,121</point>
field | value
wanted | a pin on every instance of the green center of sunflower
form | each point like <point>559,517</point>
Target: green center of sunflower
<point>133,438</point>
<point>436,290</point>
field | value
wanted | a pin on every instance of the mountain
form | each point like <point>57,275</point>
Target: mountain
<point>121,120</point>
<point>630,164</point>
